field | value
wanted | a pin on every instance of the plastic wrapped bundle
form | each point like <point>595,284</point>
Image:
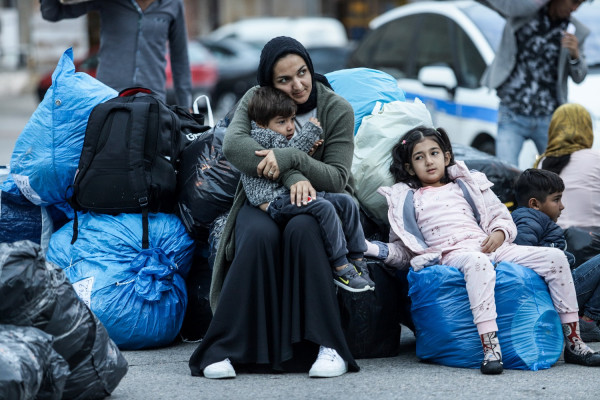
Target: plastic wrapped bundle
<point>29,366</point>
<point>206,182</point>
<point>529,328</point>
<point>139,295</point>
<point>36,293</point>
<point>363,88</point>
<point>47,151</point>
<point>20,219</point>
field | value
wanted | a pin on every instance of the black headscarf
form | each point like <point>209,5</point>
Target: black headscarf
<point>279,47</point>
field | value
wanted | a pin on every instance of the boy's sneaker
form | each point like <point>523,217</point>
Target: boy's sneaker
<point>363,271</point>
<point>349,279</point>
<point>328,365</point>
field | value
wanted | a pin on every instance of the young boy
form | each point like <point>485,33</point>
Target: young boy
<point>272,113</point>
<point>539,197</point>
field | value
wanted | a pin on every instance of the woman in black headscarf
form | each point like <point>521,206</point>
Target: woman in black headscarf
<point>272,293</point>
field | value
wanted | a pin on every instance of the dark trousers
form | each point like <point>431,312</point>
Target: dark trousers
<point>338,217</point>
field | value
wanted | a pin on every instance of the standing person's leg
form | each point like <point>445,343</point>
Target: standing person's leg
<point>586,278</point>
<point>349,214</point>
<point>539,132</point>
<point>245,327</point>
<point>480,279</point>
<point>552,265</point>
<point>512,132</point>
<point>310,309</point>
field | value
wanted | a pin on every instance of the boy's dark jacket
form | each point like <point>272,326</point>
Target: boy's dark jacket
<point>534,228</point>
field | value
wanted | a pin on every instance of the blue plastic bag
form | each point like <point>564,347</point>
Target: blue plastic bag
<point>139,295</point>
<point>529,328</point>
<point>363,87</point>
<point>47,151</point>
<point>20,219</point>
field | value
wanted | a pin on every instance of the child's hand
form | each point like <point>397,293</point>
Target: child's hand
<point>315,147</point>
<point>492,242</point>
<point>315,121</point>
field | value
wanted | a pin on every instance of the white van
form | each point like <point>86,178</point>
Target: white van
<point>310,31</point>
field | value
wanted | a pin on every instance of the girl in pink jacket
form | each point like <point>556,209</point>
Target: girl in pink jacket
<point>442,213</point>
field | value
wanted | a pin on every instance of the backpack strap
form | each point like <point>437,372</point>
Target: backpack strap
<point>145,240</point>
<point>469,200</point>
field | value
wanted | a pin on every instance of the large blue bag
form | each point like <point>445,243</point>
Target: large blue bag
<point>47,151</point>
<point>20,219</point>
<point>138,294</point>
<point>363,87</point>
<point>529,328</point>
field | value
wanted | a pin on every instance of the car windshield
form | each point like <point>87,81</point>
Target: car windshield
<point>589,14</point>
<point>489,22</point>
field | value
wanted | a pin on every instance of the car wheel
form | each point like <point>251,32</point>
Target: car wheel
<point>487,145</point>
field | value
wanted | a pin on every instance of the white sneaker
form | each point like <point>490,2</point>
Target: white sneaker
<point>328,365</point>
<point>220,370</point>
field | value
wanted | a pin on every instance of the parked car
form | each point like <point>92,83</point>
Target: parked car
<point>237,63</point>
<point>438,52</point>
<point>203,68</point>
<point>310,31</point>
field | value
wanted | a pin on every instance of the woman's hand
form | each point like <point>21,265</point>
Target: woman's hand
<point>492,242</point>
<point>302,192</point>
<point>268,167</point>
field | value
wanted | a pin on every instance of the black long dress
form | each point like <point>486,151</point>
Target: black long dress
<point>278,301</point>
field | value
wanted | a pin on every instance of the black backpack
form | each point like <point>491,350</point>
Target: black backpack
<point>129,158</point>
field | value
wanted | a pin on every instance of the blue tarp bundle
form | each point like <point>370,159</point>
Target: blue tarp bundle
<point>529,328</point>
<point>363,87</point>
<point>138,294</point>
<point>47,151</point>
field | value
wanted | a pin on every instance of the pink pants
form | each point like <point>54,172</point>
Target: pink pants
<point>480,277</point>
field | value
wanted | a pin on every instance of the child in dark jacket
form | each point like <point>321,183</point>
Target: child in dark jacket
<point>539,197</point>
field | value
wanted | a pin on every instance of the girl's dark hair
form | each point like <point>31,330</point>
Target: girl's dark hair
<point>268,103</point>
<point>556,164</point>
<point>402,153</point>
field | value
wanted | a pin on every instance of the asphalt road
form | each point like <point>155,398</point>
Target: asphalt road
<point>164,374</point>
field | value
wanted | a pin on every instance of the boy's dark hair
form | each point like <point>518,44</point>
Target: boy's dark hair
<point>268,103</point>
<point>402,153</point>
<point>537,183</point>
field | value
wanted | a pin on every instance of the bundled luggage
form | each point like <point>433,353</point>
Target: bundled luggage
<point>130,156</point>
<point>529,328</point>
<point>29,366</point>
<point>207,182</point>
<point>46,153</point>
<point>138,294</point>
<point>371,320</point>
<point>363,88</point>
<point>36,293</point>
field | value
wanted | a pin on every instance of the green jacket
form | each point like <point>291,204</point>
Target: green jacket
<point>327,170</point>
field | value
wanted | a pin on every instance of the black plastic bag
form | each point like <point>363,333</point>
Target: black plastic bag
<point>500,173</point>
<point>29,366</point>
<point>37,293</point>
<point>583,242</point>
<point>371,320</point>
<point>206,182</point>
